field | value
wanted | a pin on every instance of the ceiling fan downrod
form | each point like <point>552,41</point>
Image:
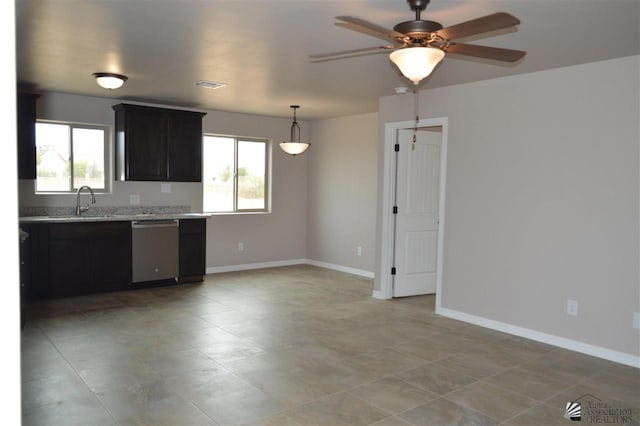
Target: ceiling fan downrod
<point>418,6</point>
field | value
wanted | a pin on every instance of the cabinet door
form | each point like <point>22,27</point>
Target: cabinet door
<point>111,257</point>
<point>145,139</point>
<point>34,261</point>
<point>26,110</point>
<point>69,267</point>
<point>184,150</point>
<point>193,236</point>
<point>87,258</point>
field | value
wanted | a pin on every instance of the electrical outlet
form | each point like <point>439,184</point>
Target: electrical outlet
<point>572,307</point>
<point>165,188</point>
<point>636,320</point>
<point>240,246</point>
<point>134,200</point>
<point>359,251</point>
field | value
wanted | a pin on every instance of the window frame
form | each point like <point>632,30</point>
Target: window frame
<point>267,173</point>
<point>107,156</point>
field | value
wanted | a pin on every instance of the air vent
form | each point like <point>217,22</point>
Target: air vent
<point>210,84</point>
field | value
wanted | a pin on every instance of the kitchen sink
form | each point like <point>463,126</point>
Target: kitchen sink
<point>73,216</point>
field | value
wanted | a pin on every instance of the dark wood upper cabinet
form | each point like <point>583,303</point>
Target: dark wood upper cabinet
<point>26,130</point>
<point>185,149</point>
<point>158,144</point>
<point>141,144</point>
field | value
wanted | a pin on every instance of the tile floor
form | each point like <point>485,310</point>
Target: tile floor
<point>295,345</point>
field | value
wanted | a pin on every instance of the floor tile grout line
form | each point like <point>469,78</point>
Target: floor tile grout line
<point>540,403</point>
<point>522,394</point>
<point>291,308</point>
<point>94,394</point>
<point>536,402</point>
<point>453,402</point>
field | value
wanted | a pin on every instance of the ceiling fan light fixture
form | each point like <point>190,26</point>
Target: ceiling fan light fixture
<point>416,63</point>
<point>109,80</point>
<point>293,146</point>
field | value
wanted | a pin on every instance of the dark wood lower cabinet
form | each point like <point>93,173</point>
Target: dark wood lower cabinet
<point>33,258</point>
<point>80,258</point>
<point>86,258</point>
<point>193,240</point>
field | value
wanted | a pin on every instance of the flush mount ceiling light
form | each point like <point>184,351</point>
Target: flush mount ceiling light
<point>109,80</point>
<point>293,146</point>
<point>416,63</point>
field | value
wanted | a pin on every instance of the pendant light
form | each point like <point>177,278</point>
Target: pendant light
<point>293,146</point>
<point>109,80</point>
<point>416,63</point>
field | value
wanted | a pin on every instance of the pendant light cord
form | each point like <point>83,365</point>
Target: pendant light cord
<point>416,105</point>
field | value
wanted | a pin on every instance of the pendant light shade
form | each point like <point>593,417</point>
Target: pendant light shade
<point>109,81</point>
<point>416,63</point>
<point>293,146</point>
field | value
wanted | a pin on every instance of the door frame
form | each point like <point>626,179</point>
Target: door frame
<point>388,196</point>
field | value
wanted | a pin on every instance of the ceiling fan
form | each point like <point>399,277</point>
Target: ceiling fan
<point>418,46</point>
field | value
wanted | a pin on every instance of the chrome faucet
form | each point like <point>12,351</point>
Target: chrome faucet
<point>85,208</point>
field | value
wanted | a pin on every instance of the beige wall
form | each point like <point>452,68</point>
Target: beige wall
<point>277,236</point>
<point>542,199</point>
<point>342,191</point>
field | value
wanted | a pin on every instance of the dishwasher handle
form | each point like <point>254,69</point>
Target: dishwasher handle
<point>154,224</point>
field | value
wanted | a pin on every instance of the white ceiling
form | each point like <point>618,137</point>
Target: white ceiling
<point>261,48</point>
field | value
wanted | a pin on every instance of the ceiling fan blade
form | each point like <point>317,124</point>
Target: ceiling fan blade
<point>495,53</point>
<point>495,21</point>
<point>367,28</point>
<point>368,31</point>
<point>347,53</point>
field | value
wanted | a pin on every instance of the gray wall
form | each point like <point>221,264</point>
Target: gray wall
<point>542,199</point>
<point>342,191</point>
<point>276,236</point>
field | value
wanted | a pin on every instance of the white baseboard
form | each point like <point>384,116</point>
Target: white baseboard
<point>249,266</point>
<point>275,264</point>
<point>347,269</point>
<point>573,345</point>
<point>378,294</point>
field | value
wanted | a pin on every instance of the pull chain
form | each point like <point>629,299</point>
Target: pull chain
<point>415,127</point>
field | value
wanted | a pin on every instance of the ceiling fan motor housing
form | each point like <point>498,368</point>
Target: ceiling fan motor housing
<point>418,28</point>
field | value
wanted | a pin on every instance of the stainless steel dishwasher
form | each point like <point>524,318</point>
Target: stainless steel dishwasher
<point>155,248</point>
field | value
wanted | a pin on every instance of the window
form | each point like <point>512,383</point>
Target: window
<point>235,174</point>
<point>70,155</point>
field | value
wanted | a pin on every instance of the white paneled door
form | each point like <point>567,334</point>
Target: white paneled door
<point>417,199</point>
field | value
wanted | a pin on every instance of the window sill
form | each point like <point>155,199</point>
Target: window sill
<point>237,213</point>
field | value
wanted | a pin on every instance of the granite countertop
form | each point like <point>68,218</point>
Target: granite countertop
<point>107,214</point>
<point>112,217</point>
